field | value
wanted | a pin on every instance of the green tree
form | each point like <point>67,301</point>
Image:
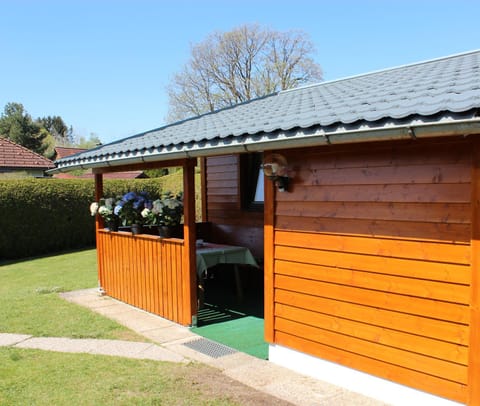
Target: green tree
<point>55,125</point>
<point>92,141</point>
<point>17,125</point>
<point>236,66</point>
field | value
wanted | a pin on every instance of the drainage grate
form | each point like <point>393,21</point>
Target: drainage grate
<point>210,348</point>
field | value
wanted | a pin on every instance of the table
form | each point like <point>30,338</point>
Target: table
<point>209,254</point>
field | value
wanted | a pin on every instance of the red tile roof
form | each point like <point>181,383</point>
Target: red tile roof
<point>15,156</point>
<point>62,152</point>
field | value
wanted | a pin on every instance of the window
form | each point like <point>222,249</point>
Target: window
<point>252,181</point>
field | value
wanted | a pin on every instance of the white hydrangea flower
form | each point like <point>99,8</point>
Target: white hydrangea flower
<point>171,204</point>
<point>94,208</point>
<point>104,211</point>
<point>145,213</point>
<point>157,207</point>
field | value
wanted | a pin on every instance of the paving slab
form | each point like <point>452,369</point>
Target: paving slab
<point>59,344</point>
<point>128,349</point>
<point>157,353</point>
<point>108,309</point>
<point>120,348</point>
<point>168,334</point>
<point>8,339</point>
<point>140,321</point>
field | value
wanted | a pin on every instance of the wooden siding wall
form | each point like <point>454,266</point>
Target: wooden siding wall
<point>372,261</point>
<point>230,223</point>
<point>144,271</point>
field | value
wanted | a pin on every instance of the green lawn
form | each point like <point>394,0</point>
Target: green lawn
<point>30,304</point>
<point>31,377</point>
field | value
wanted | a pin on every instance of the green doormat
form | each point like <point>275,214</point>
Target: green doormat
<point>244,334</point>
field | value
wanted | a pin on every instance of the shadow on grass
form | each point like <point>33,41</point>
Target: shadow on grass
<point>48,255</point>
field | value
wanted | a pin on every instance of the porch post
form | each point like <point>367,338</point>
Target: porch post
<point>203,180</point>
<point>98,225</point>
<point>473,391</point>
<point>189,260</point>
<point>269,205</point>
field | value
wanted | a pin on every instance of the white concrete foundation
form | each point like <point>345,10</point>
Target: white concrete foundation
<point>356,381</point>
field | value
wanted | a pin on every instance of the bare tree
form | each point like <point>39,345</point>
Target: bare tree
<point>240,65</point>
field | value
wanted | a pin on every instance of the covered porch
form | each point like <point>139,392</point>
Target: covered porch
<point>152,273</point>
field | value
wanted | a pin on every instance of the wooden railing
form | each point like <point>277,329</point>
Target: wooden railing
<point>145,271</point>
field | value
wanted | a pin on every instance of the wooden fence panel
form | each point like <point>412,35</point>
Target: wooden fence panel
<point>144,271</point>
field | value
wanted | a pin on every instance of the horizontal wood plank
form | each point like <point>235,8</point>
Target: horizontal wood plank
<point>382,155</point>
<point>223,175</point>
<point>426,251</point>
<point>446,173</point>
<point>448,213</point>
<point>443,291</point>
<point>407,341</point>
<point>424,326</point>
<point>446,311</point>
<point>231,168</point>
<point>413,193</point>
<point>418,231</point>
<point>222,183</point>
<point>219,191</point>
<point>223,198</point>
<point>241,220</point>
<point>406,359</point>
<point>222,160</point>
<point>435,271</point>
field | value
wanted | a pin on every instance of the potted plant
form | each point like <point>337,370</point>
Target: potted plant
<point>129,209</point>
<point>166,213</point>
<point>105,208</point>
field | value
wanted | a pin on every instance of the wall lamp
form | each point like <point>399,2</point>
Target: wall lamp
<point>276,169</point>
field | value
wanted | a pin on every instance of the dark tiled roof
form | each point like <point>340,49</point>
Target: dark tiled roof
<point>435,90</point>
<point>16,157</point>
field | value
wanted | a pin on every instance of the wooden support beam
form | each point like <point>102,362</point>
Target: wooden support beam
<point>474,342</point>
<point>189,260</point>
<point>98,226</point>
<point>141,166</point>
<point>98,196</point>
<point>269,222</point>
<point>203,177</point>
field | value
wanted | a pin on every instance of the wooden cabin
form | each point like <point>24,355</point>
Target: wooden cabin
<point>371,254</point>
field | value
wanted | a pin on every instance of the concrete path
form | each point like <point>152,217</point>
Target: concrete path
<point>119,348</point>
<point>176,343</point>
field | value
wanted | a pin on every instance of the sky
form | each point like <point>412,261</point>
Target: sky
<point>104,65</point>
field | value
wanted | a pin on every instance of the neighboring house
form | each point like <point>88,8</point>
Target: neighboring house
<point>62,152</point>
<point>372,255</point>
<point>19,162</point>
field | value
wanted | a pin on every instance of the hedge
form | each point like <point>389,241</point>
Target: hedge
<point>44,216</point>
